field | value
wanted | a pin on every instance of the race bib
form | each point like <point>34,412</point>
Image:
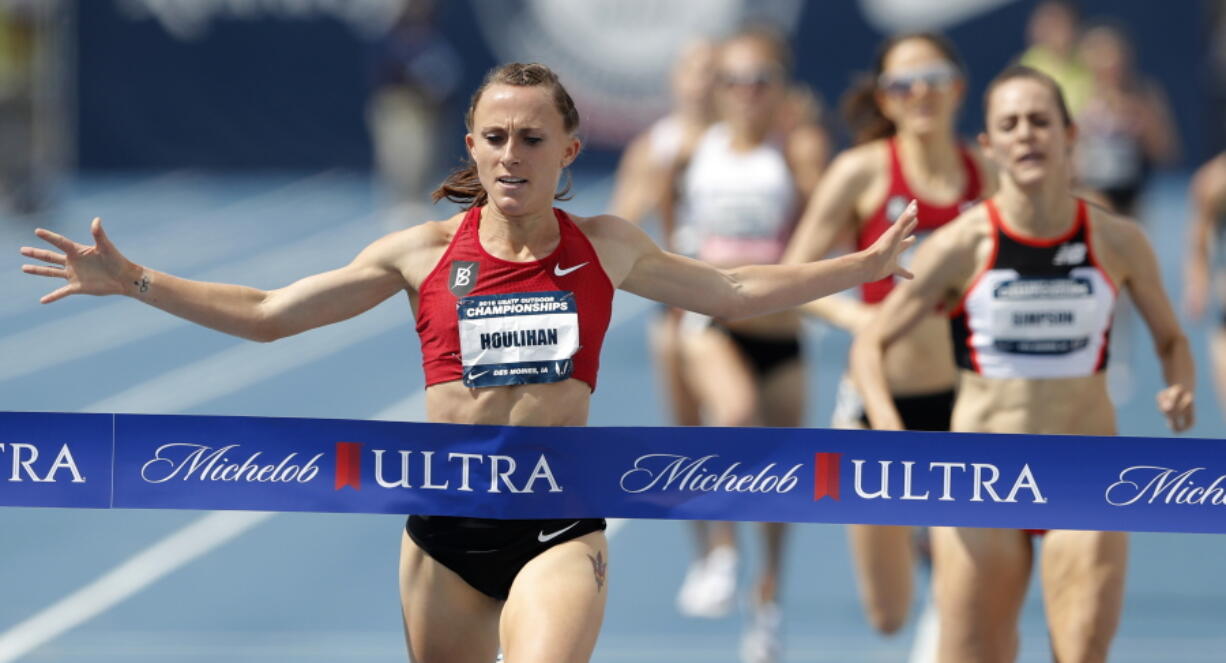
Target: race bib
<point>519,338</point>
<point>1042,316</point>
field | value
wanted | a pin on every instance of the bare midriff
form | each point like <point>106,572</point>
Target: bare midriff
<point>554,404</point>
<point>1043,406</point>
<point>922,361</point>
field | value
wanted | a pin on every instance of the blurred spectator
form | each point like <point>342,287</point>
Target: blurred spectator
<point>649,158</point>
<point>1051,35</point>
<point>416,74</point>
<point>802,107</point>
<point>17,154</point>
<point>1125,126</point>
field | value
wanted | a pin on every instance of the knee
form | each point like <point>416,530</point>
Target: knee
<point>735,408</point>
<point>886,620</point>
<point>737,417</point>
<point>998,647</point>
<point>426,654</point>
<point>1083,645</point>
<point>1086,652</point>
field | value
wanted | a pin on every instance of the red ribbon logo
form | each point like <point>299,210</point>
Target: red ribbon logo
<point>826,475</point>
<point>348,465</point>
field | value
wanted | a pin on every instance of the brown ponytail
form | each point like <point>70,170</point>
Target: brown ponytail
<point>859,104</point>
<point>463,185</point>
<point>863,116</point>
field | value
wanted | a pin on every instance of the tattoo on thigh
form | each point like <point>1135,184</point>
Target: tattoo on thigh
<point>599,566</point>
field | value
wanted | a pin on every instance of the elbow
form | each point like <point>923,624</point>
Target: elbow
<point>264,328</point>
<point>733,303</point>
<point>272,319</point>
<point>1173,345</point>
<point>731,311</point>
<point>264,336</point>
<point>887,621</point>
<point>738,307</point>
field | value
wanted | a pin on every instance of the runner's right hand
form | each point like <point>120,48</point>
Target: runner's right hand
<point>886,251</point>
<point>90,270</point>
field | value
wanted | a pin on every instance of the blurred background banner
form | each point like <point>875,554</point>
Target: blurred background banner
<point>259,84</point>
<point>614,55</point>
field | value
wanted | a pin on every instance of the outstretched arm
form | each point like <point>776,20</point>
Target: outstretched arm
<point>239,310</point>
<point>758,289</point>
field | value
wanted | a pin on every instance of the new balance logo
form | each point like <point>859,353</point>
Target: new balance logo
<point>1070,254</point>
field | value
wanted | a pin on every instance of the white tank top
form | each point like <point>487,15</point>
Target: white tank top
<point>741,205</point>
<point>1040,308</point>
<point>664,138</point>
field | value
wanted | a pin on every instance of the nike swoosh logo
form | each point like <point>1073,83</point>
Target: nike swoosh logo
<point>474,376</point>
<point>546,538</point>
<point>559,271</point>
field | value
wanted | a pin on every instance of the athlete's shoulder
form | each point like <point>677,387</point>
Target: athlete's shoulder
<point>607,227</point>
<point>616,240</point>
<point>415,250</point>
<point>984,166</point>
<point>807,140</point>
<point>872,156</point>
<point>967,231</point>
<point>427,234</point>
<point>1110,231</point>
<point>862,163</point>
<point>1209,183</point>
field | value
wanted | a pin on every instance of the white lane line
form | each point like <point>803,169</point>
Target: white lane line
<point>120,322</point>
<point>222,373</point>
<point>153,181</point>
<point>244,364</point>
<point>13,233</point>
<point>138,572</point>
<point>183,389</point>
<point>927,630</point>
<point>203,233</point>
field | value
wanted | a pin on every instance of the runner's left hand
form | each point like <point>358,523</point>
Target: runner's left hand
<point>1177,404</point>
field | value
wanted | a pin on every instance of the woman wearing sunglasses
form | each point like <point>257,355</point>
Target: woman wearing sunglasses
<point>903,120</point>
<point>1030,280</point>
<point>738,192</point>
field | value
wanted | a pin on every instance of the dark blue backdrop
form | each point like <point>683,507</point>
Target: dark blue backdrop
<point>290,93</point>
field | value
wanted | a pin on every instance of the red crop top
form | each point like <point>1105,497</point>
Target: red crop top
<point>931,216</point>
<point>494,323</point>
